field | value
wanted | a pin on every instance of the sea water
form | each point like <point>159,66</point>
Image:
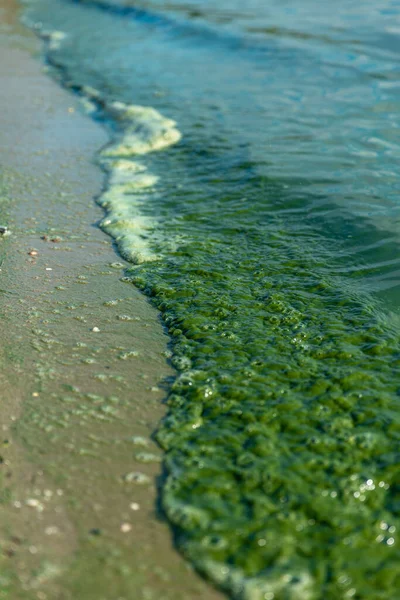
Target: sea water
<point>253,184</point>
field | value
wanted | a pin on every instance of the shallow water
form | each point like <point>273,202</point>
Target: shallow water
<point>265,227</point>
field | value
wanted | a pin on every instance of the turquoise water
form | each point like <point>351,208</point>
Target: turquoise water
<point>264,223</point>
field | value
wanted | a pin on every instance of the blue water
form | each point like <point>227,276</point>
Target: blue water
<point>304,92</point>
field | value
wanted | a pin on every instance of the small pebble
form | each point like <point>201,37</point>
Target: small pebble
<point>126,527</point>
<point>148,457</point>
<point>134,506</point>
<point>32,502</point>
<point>139,440</point>
<point>110,302</point>
<point>125,318</point>
<point>95,330</point>
<point>137,477</point>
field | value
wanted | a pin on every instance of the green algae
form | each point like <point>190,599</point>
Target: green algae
<point>283,425</point>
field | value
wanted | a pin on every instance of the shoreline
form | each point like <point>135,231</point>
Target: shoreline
<point>81,404</point>
<point>283,416</point>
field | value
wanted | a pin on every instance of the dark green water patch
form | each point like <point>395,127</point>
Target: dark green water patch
<point>283,426</point>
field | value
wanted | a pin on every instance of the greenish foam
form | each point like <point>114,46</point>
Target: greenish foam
<point>144,130</point>
<point>129,187</point>
<point>140,130</point>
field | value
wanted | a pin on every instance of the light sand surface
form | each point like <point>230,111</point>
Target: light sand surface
<point>77,406</point>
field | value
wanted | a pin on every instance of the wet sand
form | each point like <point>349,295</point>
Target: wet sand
<point>83,366</point>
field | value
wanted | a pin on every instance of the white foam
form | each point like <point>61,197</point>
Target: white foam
<point>144,130</point>
<point>55,38</point>
<point>130,185</point>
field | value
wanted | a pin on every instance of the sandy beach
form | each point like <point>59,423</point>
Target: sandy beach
<point>83,365</point>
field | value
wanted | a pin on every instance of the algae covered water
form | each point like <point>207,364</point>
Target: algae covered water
<point>253,184</point>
